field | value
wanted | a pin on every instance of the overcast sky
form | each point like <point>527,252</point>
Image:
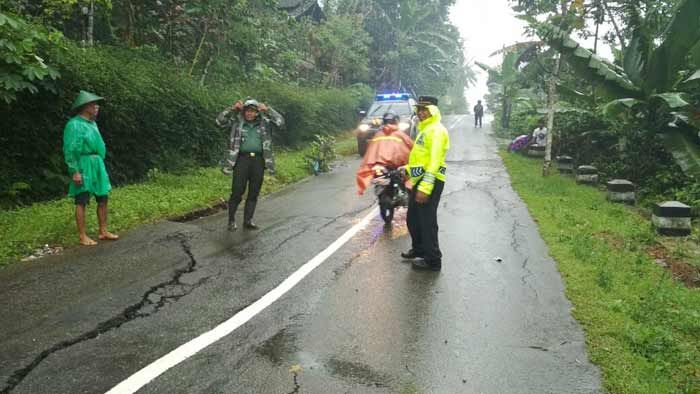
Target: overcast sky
<point>486,26</point>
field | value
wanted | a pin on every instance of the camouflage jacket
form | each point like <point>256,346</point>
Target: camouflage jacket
<point>234,120</point>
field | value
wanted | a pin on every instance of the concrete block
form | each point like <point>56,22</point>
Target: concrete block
<point>672,218</point>
<point>536,151</point>
<point>622,190</point>
<point>565,165</point>
<point>587,175</point>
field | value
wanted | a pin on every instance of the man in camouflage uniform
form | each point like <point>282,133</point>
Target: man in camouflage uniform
<point>249,153</point>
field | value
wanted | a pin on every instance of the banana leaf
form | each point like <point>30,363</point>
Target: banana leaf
<point>509,70</point>
<point>684,150</point>
<point>695,55</point>
<point>673,100</point>
<point>681,36</point>
<point>574,96</point>
<point>517,47</point>
<point>590,66</point>
<point>621,108</point>
<point>494,75</point>
<point>694,77</point>
<point>635,58</point>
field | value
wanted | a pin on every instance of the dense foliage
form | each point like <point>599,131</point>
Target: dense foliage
<point>168,66</point>
<point>152,119</point>
<point>635,116</point>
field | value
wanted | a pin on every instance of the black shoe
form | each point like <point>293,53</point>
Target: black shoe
<point>411,254</point>
<point>250,226</point>
<point>425,266</point>
<point>232,227</point>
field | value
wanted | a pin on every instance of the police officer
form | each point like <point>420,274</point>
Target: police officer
<point>426,168</point>
<point>249,153</point>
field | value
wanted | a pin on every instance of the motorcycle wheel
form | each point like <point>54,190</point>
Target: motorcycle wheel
<point>386,208</point>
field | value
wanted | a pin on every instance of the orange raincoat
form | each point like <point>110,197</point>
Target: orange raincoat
<point>390,147</point>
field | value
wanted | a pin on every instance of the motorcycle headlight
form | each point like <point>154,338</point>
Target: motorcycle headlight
<point>363,127</point>
<point>404,126</point>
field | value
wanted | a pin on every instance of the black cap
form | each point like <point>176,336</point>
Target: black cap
<point>390,117</point>
<point>424,101</point>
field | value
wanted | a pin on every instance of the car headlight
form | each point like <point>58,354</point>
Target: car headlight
<point>363,127</point>
<point>404,126</point>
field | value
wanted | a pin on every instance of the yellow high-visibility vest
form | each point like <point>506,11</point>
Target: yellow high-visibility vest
<point>427,160</point>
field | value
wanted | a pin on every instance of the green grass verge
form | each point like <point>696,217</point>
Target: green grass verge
<point>642,327</point>
<point>161,196</point>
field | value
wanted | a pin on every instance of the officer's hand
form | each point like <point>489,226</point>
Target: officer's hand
<point>262,107</point>
<point>77,179</point>
<point>421,198</point>
<point>237,106</point>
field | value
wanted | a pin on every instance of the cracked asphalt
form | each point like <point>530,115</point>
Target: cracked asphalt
<point>495,320</point>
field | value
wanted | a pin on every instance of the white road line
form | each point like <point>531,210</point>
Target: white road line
<point>189,349</point>
<point>459,119</point>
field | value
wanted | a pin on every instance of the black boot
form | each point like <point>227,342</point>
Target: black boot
<point>248,213</point>
<point>411,254</point>
<point>423,265</point>
<point>250,226</point>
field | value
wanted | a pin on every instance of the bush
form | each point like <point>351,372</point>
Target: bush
<point>310,111</point>
<point>154,117</point>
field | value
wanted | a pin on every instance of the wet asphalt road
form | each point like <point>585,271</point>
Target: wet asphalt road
<point>363,322</point>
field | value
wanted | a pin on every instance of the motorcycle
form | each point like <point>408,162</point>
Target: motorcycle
<point>390,190</point>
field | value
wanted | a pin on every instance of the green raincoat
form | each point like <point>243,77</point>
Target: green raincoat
<point>84,152</point>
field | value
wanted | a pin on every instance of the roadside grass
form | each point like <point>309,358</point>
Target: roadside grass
<point>161,196</point>
<point>642,327</point>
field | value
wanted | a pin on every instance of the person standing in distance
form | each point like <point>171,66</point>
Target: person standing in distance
<point>249,153</point>
<point>478,114</point>
<point>427,169</point>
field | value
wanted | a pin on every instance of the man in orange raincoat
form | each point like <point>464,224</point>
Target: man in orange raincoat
<point>390,147</point>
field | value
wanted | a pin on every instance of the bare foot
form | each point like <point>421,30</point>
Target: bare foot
<point>107,236</point>
<point>87,241</point>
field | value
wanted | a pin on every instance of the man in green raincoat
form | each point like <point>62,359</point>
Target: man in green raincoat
<point>84,152</point>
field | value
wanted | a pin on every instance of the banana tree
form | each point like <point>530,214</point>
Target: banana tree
<point>504,81</point>
<point>646,89</point>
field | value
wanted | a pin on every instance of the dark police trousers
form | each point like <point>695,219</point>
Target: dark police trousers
<point>422,224</point>
<point>477,120</point>
<point>248,173</point>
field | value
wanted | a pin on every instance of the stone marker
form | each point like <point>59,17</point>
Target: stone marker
<point>587,175</point>
<point>536,151</point>
<point>671,218</point>
<point>621,190</point>
<point>565,164</point>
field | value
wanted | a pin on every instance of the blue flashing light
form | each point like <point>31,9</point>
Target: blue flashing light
<point>393,96</point>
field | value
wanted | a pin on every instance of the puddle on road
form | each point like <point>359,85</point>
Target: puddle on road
<point>357,373</point>
<point>280,348</point>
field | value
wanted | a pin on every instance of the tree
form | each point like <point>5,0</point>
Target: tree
<point>340,48</point>
<point>558,12</point>
<point>651,74</point>
<point>22,67</point>
<point>414,46</point>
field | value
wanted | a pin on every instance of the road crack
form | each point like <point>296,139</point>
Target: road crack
<point>529,273</point>
<point>345,215</point>
<point>151,302</point>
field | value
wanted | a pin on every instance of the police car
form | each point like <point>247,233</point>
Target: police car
<point>402,104</point>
